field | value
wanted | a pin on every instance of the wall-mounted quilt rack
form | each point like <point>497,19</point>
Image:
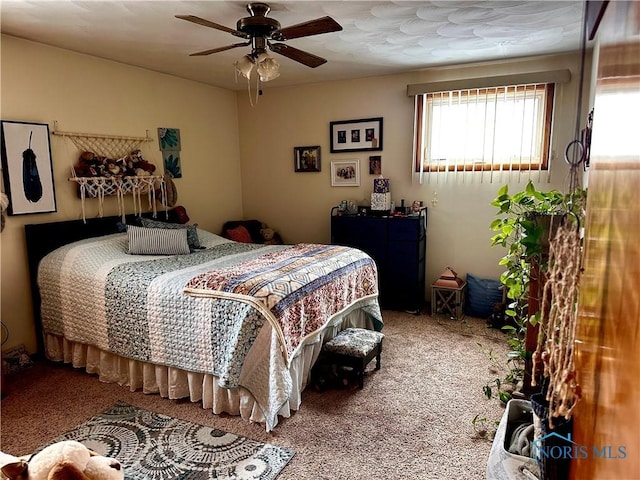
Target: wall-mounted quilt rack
<point>116,147</point>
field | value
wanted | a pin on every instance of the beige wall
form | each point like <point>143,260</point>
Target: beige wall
<point>87,94</point>
<point>237,161</point>
<point>298,204</point>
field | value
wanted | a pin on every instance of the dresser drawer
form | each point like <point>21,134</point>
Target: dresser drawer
<point>405,230</point>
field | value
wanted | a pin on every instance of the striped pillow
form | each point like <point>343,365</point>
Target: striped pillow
<point>157,241</point>
<point>192,231</point>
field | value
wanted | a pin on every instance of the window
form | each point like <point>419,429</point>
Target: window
<point>498,128</point>
<point>617,100</point>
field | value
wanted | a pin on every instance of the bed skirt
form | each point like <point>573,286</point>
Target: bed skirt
<point>174,383</point>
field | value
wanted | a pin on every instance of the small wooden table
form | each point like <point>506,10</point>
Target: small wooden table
<point>448,300</point>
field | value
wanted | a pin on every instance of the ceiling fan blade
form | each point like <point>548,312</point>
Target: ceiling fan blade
<point>301,56</point>
<point>221,49</point>
<point>207,23</point>
<point>306,29</point>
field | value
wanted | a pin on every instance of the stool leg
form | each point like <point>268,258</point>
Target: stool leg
<point>379,356</point>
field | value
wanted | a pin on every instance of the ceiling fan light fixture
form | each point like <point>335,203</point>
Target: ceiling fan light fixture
<point>268,67</point>
<point>244,65</point>
<point>258,30</point>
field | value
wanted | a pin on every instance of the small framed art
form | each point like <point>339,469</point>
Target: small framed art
<point>345,173</point>
<point>375,165</point>
<point>306,159</point>
<point>27,167</point>
<point>356,135</point>
<point>170,146</point>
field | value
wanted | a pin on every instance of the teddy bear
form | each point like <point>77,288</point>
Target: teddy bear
<point>65,460</point>
<point>138,166</point>
<point>269,236</point>
<point>112,167</point>
<point>89,165</point>
<point>144,168</point>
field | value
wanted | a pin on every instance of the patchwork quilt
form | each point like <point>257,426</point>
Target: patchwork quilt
<point>237,311</point>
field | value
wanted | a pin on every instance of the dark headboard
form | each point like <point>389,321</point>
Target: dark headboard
<point>44,238</point>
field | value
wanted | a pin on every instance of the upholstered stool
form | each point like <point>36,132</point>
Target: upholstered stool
<point>355,347</point>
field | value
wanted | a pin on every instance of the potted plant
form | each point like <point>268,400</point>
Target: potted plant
<point>525,224</point>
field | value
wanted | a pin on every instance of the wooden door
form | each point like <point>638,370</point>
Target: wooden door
<point>608,330</point>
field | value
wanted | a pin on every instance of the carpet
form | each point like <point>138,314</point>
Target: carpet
<point>423,399</point>
<point>158,447</point>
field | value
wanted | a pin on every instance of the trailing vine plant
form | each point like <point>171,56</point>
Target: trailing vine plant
<point>523,229</point>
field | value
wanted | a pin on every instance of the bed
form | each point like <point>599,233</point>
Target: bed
<point>234,326</point>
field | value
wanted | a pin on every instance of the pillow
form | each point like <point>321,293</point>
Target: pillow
<point>178,215</point>
<point>192,230</point>
<point>122,226</point>
<point>239,234</point>
<point>482,294</point>
<point>157,241</point>
<point>252,226</point>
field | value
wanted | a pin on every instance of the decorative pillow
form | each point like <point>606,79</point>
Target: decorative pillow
<point>239,234</point>
<point>192,230</point>
<point>178,215</point>
<point>122,226</point>
<point>157,241</point>
<point>482,294</point>
<point>252,226</point>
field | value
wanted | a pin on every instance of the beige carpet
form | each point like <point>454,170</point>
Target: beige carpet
<point>412,420</point>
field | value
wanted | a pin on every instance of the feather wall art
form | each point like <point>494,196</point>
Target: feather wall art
<point>30,177</point>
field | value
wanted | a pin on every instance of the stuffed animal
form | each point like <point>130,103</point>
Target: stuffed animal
<point>66,460</point>
<point>137,165</point>
<point>92,165</point>
<point>144,168</point>
<point>89,165</point>
<point>269,236</point>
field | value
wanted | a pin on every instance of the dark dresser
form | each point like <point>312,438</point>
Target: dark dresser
<point>398,246</point>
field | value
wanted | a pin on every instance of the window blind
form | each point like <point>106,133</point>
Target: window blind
<point>491,130</point>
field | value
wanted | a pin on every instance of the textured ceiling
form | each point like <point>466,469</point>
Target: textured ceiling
<point>378,37</point>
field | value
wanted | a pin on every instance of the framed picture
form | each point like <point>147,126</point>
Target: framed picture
<point>356,135</point>
<point>170,146</point>
<point>27,168</point>
<point>171,162</point>
<point>306,159</point>
<point>375,165</point>
<point>345,173</point>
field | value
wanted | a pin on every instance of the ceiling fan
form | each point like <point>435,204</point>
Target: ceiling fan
<point>261,31</point>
